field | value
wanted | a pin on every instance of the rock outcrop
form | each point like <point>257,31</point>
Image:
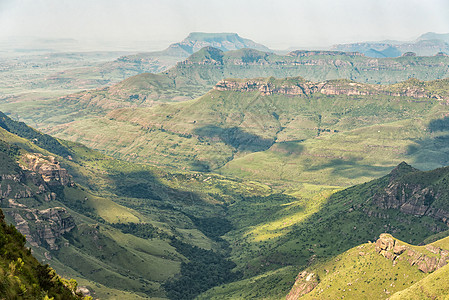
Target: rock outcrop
<point>34,180</point>
<point>411,198</point>
<point>305,282</point>
<point>300,87</point>
<point>265,88</point>
<point>394,250</point>
<point>44,227</point>
<point>304,53</point>
<point>37,174</point>
<point>48,167</point>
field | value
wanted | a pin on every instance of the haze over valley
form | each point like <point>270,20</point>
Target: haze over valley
<point>224,150</point>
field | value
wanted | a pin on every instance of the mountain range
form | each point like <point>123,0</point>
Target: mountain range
<point>240,117</point>
<point>157,61</point>
<point>197,74</point>
<point>233,174</point>
<point>427,44</point>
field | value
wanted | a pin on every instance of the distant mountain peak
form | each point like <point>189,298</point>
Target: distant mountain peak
<point>223,41</point>
<point>402,169</point>
<point>434,36</point>
<point>207,54</point>
<point>205,36</point>
<point>428,44</point>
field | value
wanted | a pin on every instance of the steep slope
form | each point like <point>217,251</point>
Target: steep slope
<point>112,222</point>
<point>22,276</point>
<point>20,273</point>
<point>284,238</point>
<point>433,286</point>
<point>239,117</point>
<point>376,271</point>
<point>270,236</point>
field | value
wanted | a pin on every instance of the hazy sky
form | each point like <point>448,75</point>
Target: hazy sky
<point>275,23</point>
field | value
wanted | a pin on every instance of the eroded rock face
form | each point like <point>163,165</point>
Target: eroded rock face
<point>31,183</point>
<point>44,227</point>
<point>412,199</point>
<point>393,250</point>
<point>305,282</point>
<point>305,88</point>
<point>48,167</point>
<point>265,88</point>
<point>385,243</point>
<point>38,173</point>
<point>303,53</point>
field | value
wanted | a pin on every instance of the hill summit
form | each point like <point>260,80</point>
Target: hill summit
<point>223,41</point>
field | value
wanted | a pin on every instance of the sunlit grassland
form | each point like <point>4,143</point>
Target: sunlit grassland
<point>433,286</point>
<point>363,273</point>
<point>228,127</point>
<point>110,211</point>
<point>341,159</point>
<point>308,164</point>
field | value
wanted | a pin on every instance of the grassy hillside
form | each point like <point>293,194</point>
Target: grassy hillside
<point>278,238</point>
<point>126,230</point>
<point>202,70</point>
<point>433,286</point>
<point>306,140</point>
<point>364,273</point>
<point>160,217</point>
<point>289,145</point>
<point>21,275</point>
<point>282,136</point>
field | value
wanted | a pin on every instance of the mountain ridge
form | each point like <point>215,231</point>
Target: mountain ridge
<point>196,75</point>
<point>427,44</point>
<point>238,113</point>
<point>386,267</point>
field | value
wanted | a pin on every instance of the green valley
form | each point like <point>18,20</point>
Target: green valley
<point>228,172</point>
<point>122,230</point>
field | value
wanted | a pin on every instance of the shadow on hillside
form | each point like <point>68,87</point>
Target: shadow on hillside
<point>351,169</point>
<point>145,185</point>
<point>439,125</point>
<point>235,137</point>
<point>290,148</point>
<point>200,166</point>
<point>433,151</point>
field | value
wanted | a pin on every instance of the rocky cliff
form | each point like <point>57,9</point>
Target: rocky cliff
<point>305,282</point>
<point>305,53</point>
<point>395,250</point>
<point>411,197</point>
<point>30,185</point>
<point>22,276</point>
<point>43,227</point>
<point>300,87</point>
<point>47,167</point>
<point>370,266</point>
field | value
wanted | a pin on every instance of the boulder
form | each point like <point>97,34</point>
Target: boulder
<point>305,282</point>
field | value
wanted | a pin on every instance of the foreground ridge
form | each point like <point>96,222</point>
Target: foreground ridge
<point>382,268</point>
